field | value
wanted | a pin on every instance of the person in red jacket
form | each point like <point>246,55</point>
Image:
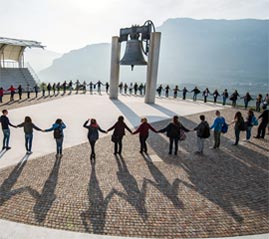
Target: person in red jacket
<point>143,131</point>
<point>1,94</point>
<point>12,92</point>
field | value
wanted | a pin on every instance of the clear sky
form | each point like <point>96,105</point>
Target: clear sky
<point>64,25</point>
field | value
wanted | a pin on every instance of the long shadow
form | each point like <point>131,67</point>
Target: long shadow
<point>21,101</point>
<point>6,191</point>
<point>45,200</point>
<point>127,112</point>
<point>41,97</point>
<point>10,102</point>
<point>163,185</point>
<point>32,99</point>
<point>133,118</point>
<point>163,110</point>
<point>232,177</point>
<point>258,146</point>
<point>96,214</point>
<point>2,152</point>
<point>134,196</point>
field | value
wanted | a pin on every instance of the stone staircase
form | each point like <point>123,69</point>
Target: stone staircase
<point>16,77</point>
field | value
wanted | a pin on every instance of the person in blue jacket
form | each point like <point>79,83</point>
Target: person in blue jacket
<point>58,134</point>
<point>217,126</point>
<point>93,134</point>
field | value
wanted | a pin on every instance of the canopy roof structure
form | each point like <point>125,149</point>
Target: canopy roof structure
<point>12,49</point>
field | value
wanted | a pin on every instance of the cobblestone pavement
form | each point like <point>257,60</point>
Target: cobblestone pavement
<point>223,193</point>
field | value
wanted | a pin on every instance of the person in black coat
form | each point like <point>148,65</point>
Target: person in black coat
<point>117,136</point>
<point>174,133</point>
<point>264,122</point>
<point>195,91</point>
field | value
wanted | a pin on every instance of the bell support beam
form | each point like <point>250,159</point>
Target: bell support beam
<point>152,69</point>
<point>115,68</point>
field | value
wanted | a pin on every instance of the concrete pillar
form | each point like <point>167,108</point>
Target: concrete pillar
<point>152,69</point>
<point>115,68</point>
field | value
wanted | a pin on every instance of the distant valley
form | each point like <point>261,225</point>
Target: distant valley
<point>217,53</point>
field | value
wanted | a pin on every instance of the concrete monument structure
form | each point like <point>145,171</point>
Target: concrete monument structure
<point>135,37</point>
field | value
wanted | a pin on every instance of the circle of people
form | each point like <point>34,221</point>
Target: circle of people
<point>175,131</point>
<point>54,89</point>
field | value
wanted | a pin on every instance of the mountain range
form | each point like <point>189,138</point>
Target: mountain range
<point>215,52</point>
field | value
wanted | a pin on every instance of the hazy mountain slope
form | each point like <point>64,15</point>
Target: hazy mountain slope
<point>40,59</point>
<point>192,51</point>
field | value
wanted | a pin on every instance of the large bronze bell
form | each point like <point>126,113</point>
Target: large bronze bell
<point>133,54</point>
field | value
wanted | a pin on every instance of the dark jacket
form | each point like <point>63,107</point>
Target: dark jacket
<point>28,127</point>
<point>93,134</point>
<point>119,129</point>
<point>264,116</point>
<point>200,129</point>
<point>5,122</point>
<point>173,131</point>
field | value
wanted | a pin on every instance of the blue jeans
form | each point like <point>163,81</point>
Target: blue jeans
<point>28,141</point>
<point>248,132</point>
<point>224,100</point>
<point>59,145</point>
<point>6,133</point>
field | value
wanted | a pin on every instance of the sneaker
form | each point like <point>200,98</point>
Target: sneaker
<point>7,148</point>
<point>213,147</point>
<point>3,147</point>
<point>29,152</point>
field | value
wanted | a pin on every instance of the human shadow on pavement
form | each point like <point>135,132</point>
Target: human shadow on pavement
<point>162,184</point>
<point>231,177</point>
<point>6,191</point>
<point>94,218</point>
<point>10,102</point>
<point>21,101</point>
<point>2,152</point>
<point>45,199</point>
<point>41,97</point>
<point>134,196</point>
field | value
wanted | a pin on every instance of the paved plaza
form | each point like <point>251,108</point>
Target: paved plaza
<point>221,194</point>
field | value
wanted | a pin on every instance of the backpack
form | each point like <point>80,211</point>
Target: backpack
<point>206,131</point>
<point>93,134</point>
<point>58,132</point>
<point>224,128</point>
<point>254,121</point>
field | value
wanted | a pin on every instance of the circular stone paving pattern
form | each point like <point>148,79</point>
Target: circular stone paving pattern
<point>224,193</point>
